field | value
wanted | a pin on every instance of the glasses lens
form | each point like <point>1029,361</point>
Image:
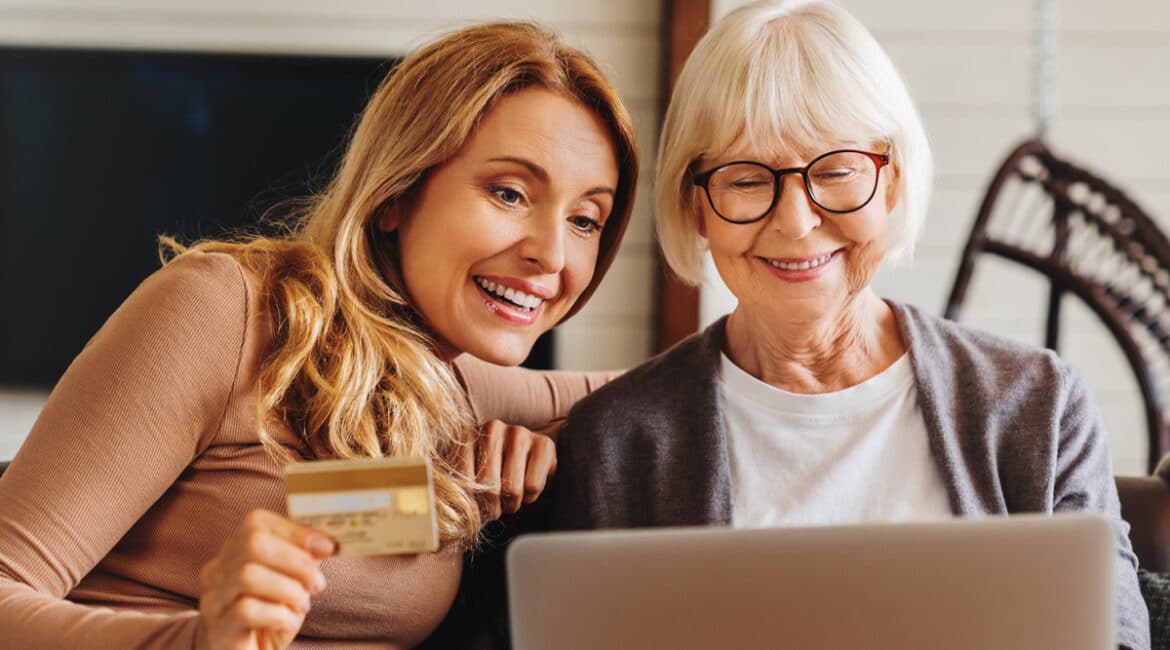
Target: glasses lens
<point>843,181</point>
<point>742,191</point>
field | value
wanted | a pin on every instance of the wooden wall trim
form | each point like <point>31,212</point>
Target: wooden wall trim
<point>684,23</point>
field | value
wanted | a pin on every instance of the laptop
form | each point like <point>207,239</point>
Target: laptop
<point>1029,581</point>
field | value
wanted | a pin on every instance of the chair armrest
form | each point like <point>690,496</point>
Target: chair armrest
<point>1145,504</point>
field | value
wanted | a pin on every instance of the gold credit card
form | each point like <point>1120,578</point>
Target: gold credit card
<point>369,506</point>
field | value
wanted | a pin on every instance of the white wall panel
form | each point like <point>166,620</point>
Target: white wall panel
<point>18,411</point>
<point>1124,17</point>
<point>615,14</point>
<point>640,231</point>
<point>602,344</point>
<point>922,18</point>
<point>627,291</point>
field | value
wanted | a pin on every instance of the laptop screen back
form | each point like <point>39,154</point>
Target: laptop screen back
<point>1026,582</point>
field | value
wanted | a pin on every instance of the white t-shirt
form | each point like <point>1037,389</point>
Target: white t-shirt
<point>851,456</point>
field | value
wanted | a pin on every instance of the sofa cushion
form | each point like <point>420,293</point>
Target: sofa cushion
<point>1145,504</point>
<point>1156,591</point>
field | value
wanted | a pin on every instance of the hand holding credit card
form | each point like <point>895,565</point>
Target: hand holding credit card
<point>368,506</point>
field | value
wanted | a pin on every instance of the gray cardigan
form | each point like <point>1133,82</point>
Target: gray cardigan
<point>1012,428</point>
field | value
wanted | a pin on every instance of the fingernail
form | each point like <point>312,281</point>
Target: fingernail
<point>306,603</point>
<point>318,583</point>
<point>320,545</point>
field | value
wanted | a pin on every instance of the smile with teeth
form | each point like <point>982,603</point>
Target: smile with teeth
<point>518,299</point>
<point>800,266</point>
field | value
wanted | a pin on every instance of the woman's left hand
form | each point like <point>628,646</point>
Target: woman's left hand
<point>515,463</point>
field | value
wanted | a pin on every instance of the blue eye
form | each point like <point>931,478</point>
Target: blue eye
<point>585,224</point>
<point>507,195</point>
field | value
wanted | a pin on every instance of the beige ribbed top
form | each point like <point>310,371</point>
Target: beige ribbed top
<point>146,457</point>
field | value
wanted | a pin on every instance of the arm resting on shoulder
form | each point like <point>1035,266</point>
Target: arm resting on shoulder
<point>529,398</point>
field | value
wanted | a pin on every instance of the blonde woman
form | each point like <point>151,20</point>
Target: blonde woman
<point>481,198</point>
<point>792,151</point>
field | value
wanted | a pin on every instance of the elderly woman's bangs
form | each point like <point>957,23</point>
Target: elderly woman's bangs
<point>803,94</point>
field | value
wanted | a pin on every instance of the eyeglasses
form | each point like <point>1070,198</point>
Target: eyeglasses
<point>839,182</point>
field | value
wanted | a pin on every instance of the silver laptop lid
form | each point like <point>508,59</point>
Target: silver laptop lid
<point>1021,582</point>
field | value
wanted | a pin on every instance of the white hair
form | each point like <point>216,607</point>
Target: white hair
<point>793,74</point>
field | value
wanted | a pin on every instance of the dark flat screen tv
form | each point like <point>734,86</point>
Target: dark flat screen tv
<point>102,150</point>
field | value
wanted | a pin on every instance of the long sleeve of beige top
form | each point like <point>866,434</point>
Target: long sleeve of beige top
<point>146,456</point>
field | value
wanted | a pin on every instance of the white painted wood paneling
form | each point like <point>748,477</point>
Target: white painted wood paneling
<point>18,411</point>
<point>602,344</point>
<point>627,288</point>
<point>615,14</point>
<point>628,52</point>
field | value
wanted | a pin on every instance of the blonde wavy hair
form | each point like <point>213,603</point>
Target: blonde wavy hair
<point>353,370</point>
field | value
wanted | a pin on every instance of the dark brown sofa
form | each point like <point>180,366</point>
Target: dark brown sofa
<point>1145,504</point>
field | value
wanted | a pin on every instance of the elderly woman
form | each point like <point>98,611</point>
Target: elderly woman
<point>792,151</point>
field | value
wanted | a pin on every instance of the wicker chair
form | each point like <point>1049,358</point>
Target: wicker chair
<point>1091,241</point>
